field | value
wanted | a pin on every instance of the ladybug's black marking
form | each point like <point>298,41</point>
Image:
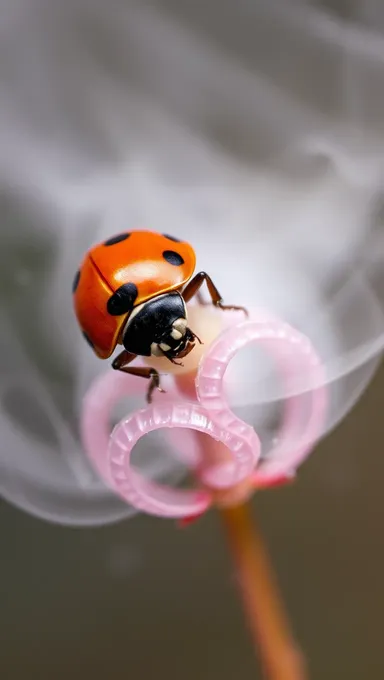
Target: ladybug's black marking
<point>88,339</point>
<point>76,281</point>
<point>172,238</point>
<point>117,239</point>
<point>173,258</point>
<point>122,300</point>
<point>153,323</point>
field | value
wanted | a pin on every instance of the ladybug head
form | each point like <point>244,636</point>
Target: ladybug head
<point>177,343</point>
<point>159,327</point>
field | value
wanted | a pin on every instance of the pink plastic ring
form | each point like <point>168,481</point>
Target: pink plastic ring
<point>304,412</point>
<point>304,407</point>
<point>103,394</point>
<point>161,500</point>
<point>148,496</point>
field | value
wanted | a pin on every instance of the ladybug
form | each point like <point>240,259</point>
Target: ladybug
<point>132,290</point>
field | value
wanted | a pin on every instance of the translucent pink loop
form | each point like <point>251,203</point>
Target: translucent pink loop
<point>304,412</point>
<point>161,500</point>
<point>111,453</point>
<point>303,419</point>
<point>98,403</point>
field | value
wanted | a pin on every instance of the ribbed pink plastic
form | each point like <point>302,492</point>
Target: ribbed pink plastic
<point>303,419</point>
<point>161,500</point>
<point>111,453</point>
<point>303,378</point>
<point>98,404</point>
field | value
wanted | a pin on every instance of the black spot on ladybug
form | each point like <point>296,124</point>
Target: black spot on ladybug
<point>76,281</point>
<point>173,258</point>
<point>122,300</point>
<point>88,339</point>
<point>117,239</point>
<point>172,238</point>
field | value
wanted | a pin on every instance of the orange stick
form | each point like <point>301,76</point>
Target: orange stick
<point>280,657</point>
<point>270,630</point>
<point>279,654</point>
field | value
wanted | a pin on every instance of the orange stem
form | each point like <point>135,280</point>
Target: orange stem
<point>280,657</point>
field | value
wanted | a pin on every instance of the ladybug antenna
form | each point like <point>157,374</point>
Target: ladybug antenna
<point>195,337</point>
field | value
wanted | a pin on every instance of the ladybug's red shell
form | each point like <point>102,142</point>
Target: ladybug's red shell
<point>143,263</point>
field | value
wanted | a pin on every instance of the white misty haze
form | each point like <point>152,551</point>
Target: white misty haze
<point>257,136</point>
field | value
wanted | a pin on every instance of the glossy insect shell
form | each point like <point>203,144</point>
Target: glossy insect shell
<point>123,272</point>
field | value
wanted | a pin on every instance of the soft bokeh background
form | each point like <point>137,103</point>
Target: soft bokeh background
<point>258,128</point>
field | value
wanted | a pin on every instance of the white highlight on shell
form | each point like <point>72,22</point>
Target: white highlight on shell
<point>155,350</point>
<point>164,347</point>
<point>180,325</point>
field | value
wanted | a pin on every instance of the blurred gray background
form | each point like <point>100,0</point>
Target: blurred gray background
<point>79,88</point>
<point>144,598</point>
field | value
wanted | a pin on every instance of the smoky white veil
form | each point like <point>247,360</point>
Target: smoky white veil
<point>253,129</point>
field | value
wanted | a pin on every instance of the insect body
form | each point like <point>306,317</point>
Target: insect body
<point>132,291</point>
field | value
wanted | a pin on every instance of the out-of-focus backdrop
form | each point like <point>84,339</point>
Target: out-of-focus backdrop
<point>258,128</point>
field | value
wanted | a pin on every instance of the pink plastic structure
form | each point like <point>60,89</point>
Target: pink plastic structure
<point>99,401</point>
<point>302,422</point>
<point>304,413</point>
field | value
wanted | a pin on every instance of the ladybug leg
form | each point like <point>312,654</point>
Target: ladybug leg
<point>193,287</point>
<point>151,374</point>
<point>121,363</point>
